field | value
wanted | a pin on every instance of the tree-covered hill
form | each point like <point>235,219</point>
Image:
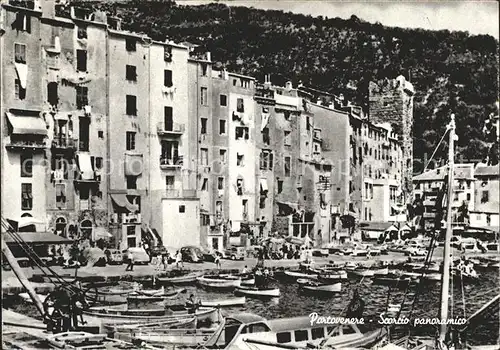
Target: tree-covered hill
<point>451,71</point>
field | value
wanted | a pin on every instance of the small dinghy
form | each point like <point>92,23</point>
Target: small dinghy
<point>148,296</point>
<point>219,282</point>
<point>258,292</point>
<point>380,271</point>
<point>318,287</point>
<point>187,323</point>
<point>187,278</point>
<point>361,272</point>
<point>112,295</point>
<point>224,302</point>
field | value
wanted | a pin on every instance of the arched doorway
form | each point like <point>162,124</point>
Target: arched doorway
<point>61,226</point>
<point>86,229</point>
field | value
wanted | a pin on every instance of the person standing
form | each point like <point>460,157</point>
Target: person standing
<point>178,259</point>
<point>130,266</point>
<point>217,261</point>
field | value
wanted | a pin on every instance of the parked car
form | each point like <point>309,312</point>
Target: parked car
<point>113,256</point>
<point>235,253</point>
<point>209,256</point>
<point>140,255</point>
<point>320,252</point>
<point>192,254</point>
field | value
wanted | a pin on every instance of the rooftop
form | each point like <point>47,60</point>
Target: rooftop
<point>487,170</point>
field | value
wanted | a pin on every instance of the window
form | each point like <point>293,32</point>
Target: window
<point>244,204</point>
<point>220,183</point>
<point>82,98</point>
<point>485,197</point>
<point>222,126</point>
<point>130,73</point>
<point>240,159</point>
<point>167,78</point>
<point>131,182</point>
<point>204,186</point>
<point>223,100</point>
<point>204,69</point>
<point>455,196</point>
<point>131,107</point>
<point>82,33</point>
<point>204,126</point>
<point>168,118</point>
<point>280,186</point>
<point>204,96</point>
<point>286,114</point>
<point>287,165</point>
<point>26,165</point>
<point>100,134</point>
<point>468,196</point>
<point>60,195</point>
<point>239,105</point>
<point>284,337</point>
<point>204,156</point>
<point>287,138</point>
<point>223,156</point>
<point>167,53</point>
<point>19,53</point>
<point>52,96</point>
<point>182,208</point>
<point>301,335</point>
<point>81,60</point>
<point>266,160</point>
<point>170,182</point>
<point>130,44</point>
<point>265,136</point>
<point>22,22</point>
<point>170,153</point>
<point>488,219</point>
<point>98,162</point>
<point>317,333</point>
<point>19,91</point>
<point>130,140</point>
<point>26,197</point>
<point>242,133</point>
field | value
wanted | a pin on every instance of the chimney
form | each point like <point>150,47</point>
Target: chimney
<point>267,80</point>
<point>289,85</point>
<point>48,7</point>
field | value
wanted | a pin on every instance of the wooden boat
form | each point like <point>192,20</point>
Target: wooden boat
<point>188,278</point>
<point>173,323</point>
<point>106,315</point>
<point>318,287</point>
<point>224,302</point>
<point>112,295</point>
<point>432,277</point>
<point>72,340</point>
<point>218,282</point>
<point>361,272</point>
<point>378,271</point>
<point>333,277</point>
<point>394,280</point>
<point>150,296</point>
<point>299,274</point>
<point>248,281</point>
<point>169,338</point>
<point>258,292</point>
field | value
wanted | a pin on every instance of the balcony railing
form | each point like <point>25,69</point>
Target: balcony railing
<point>174,193</point>
<point>117,219</point>
<point>169,163</point>
<point>64,143</point>
<point>170,129</point>
<point>25,144</point>
<point>96,177</point>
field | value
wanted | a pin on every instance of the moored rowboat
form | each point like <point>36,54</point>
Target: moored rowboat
<point>219,283</point>
<point>224,302</point>
<point>299,274</point>
<point>184,279</point>
<point>258,292</point>
<point>313,286</point>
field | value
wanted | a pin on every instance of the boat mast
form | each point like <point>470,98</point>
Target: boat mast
<point>445,282</point>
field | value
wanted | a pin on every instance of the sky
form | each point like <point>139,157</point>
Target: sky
<point>476,17</point>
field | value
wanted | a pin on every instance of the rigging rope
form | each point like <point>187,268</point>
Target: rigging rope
<point>436,149</point>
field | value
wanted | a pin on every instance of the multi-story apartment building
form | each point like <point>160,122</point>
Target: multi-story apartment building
<point>428,184</point>
<point>486,198</point>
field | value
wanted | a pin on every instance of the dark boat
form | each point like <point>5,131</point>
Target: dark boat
<point>394,280</point>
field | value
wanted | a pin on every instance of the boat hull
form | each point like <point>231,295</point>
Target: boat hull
<point>258,293</point>
<point>322,288</point>
<point>224,302</point>
<point>180,280</point>
<point>361,273</point>
<point>219,283</point>
<point>296,275</point>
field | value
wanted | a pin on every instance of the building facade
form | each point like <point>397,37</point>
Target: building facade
<point>486,197</point>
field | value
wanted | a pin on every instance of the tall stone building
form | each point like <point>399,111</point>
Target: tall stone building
<point>391,101</point>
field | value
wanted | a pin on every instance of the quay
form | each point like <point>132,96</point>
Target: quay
<point>113,273</point>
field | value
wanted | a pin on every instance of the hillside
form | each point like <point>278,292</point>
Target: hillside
<point>451,71</point>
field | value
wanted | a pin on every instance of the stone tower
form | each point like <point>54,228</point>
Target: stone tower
<point>391,101</point>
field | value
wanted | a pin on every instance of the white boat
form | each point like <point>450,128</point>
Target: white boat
<point>218,282</point>
<point>321,288</point>
<point>224,302</point>
<point>299,274</point>
<point>258,292</point>
<point>361,272</point>
<point>379,271</point>
<point>432,277</point>
<point>187,278</point>
<point>332,276</point>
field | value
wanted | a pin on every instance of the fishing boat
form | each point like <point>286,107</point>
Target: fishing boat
<point>299,274</point>
<point>112,295</point>
<point>258,292</point>
<point>169,338</point>
<point>224,302</point>
<point>380,271</point>
<point>111,328</point>
<point>332,277</point>
<point>394,280</point>
<point>318,287</point>
<point>187,278</point>
<point>361,272</point>
<point>219,282</point>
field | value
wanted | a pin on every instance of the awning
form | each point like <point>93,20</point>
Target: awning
<point>25,221</point>
<point>133,164</point>
<point>38,237</point>
<point>265,120</point>
<point>121,201</point>
<point>294,206</point>
<point>27,125</point>
<point>263,185</point>
<point>101,232</point>
<point>22,73</point>
<point>85,166</point>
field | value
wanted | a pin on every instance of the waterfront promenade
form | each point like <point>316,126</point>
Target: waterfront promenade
<point>10,283</point>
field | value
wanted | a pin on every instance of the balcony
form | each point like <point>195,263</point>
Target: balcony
<point>25,145</point>
<point>171,163</point>
<point>118,219</point>
<point>173,193</point>
<point>174,129</point>
<point>429,215</point>
<point>65,144</point>
<point>93,177</point>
